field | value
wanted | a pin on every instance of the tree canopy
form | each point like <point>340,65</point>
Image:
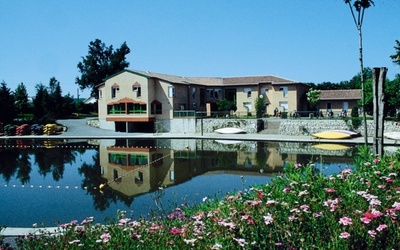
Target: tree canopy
<point>396,57</point>
<point>7,108</point>
<point>21,98</point>
<point>101,62</point>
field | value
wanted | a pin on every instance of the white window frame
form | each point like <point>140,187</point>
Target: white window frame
<point>247,91</point>
<point>171,91</point>
<point>285,91</point>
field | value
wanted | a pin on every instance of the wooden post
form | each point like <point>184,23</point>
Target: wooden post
<point>378,85</point>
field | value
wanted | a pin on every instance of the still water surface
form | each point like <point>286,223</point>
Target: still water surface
<point>56,181</point>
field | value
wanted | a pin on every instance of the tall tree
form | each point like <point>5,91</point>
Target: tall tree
<point>101,62</point>
<point>7,107</point>
<point>55,101</point>
<point>21,98</point>
<point>40,101</point>
<point>360,6</point>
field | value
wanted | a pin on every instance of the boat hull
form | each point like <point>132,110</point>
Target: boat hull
<point>331,135</point>
<point>229,131</point>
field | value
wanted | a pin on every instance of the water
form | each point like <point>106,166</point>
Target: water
<point>55,181</point>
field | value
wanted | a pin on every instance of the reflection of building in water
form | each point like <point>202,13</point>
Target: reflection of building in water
<point>134,167</point>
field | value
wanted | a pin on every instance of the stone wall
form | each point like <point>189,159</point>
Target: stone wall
<point>287,126</point>
<point>308,127</point>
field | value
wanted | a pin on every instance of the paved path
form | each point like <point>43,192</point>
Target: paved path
<point>78,129</point>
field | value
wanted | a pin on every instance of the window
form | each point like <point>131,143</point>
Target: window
<point>171,91</point>
<point>100,94</point>
<point>137,108</point>
<point>284,90</point>
<point>114,91</point>
<point>284,105</point>
<point>266,90</point>
<point>116,109</point>
<point>248,92</point>
<point>139,178</point>
<point>247,105</point>
<point>138,91</point>
<point>193,93</point>
<point>156,108</point>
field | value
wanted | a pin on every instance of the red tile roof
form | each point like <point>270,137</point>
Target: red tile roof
<point>342,94</point>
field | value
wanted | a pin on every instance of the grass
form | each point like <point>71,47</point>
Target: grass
<point>299,209</point>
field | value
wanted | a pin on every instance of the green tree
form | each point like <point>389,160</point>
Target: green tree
<point>260,106</point>
<point>396,57</point>
<point>226,105</point>
<point>101,62</point>
<point>7,107</point>
<point>313,96</point>
<point>21,98</point>
<point>360,6</point>
<point>40,102</point>
<point>55,101</point>
<point>392,95</point>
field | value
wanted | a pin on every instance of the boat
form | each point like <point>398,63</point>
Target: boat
<point>228,142</point>
<point>330,146</point>
<point>392,135</point>
<point>349,132</point>
<point>331,134</point>
<point>229,131</point>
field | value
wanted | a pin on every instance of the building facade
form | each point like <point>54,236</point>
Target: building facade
<point>135,101</point>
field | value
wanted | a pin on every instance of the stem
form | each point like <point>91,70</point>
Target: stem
<point>362,84</point>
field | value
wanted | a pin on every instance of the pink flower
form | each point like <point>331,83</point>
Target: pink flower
<point>345,221</point>
<point>372,233</point>
<point>268,219</point>
<point>381,186</point>
<point>344,235</point>
<point>365,220</point>
<point>317,214</point>
<point>175,230</point>
<point>376,160</point>
<point>297,165</point>
<point>260,194</point>
<point>367,164</point>
<point>241,242</point>
<point>381,227</point>
<point>329,190</point>
<point>105,237</point>
<point>286,190</point>
<point>155,227</point>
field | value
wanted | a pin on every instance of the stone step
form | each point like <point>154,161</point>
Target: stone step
<point>271,127</point>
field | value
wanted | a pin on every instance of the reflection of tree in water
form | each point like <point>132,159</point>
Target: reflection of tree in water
<point>24,167</point>
<point>92,181</point>
<point>53,160</point>
<point>8,163</point>
<point>262,154</point>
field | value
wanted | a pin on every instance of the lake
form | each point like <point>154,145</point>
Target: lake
<point>55,181</point>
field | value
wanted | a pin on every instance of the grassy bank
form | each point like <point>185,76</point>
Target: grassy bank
<point>299,209</point>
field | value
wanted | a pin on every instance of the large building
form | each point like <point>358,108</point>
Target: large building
<point>133,101</point>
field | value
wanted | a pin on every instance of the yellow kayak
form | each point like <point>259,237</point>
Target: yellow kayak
<point>332,135</point>
<point>329,146</point>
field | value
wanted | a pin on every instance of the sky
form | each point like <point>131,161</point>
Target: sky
<point>302,40</point>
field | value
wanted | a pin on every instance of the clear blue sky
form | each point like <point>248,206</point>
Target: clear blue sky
<point>303,40</point>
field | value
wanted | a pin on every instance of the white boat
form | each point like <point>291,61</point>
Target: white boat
<point>228,142</point>
<point>229,131</point>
